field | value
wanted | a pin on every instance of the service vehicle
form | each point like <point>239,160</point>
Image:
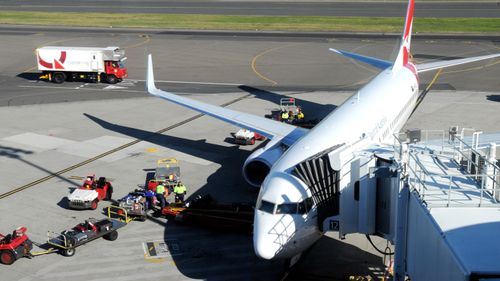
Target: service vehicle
<point>94,64</point>
<point>14,246</point>
<point>137,203</point>
<point>90,193</point>
<point>204,210</point>
<point>289,105</point>
<point>83,233</point>
<point>167,172</point>
<point>244,136</point>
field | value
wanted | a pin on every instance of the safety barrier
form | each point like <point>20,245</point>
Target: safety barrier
<point>474,187</point>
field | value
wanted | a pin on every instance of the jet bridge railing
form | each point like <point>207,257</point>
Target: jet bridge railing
<point>466,189</point>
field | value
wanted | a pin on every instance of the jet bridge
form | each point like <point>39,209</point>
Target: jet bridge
<point>435,195</point>
<point>448,224</point>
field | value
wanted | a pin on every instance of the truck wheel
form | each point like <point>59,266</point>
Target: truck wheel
<point>7,257</point>
<point>68,252</point>
<point>142,218</point>
<point>109,193</point>
<point>93,205</point>
<point>111,79</point>
<point>111,236</point>
<point>58,78</point>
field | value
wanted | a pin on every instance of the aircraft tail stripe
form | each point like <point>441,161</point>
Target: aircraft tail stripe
<point>409,19</point>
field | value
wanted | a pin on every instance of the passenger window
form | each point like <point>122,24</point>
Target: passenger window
<point>267,207</point>
<point>287,208</point>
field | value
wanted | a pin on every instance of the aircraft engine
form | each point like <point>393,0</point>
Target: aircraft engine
<point>259,163</point>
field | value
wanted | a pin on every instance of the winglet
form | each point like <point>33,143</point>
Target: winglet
<point>378,63</point>
<point>150,78</point>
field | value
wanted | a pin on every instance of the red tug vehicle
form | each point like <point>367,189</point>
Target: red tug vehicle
<point>14,246</point>
<point>17,245</point>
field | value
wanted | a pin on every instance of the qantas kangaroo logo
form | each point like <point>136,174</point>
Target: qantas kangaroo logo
<point>57,63</point>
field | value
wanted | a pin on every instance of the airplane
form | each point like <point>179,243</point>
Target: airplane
<point>301,172</point>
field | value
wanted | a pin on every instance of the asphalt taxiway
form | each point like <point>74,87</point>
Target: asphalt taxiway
<point>49,132</point>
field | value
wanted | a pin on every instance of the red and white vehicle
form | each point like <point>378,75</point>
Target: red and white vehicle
<point>14,246</point>
<point>244,136</point>
<point>59,64</point>
<point>90,193</point>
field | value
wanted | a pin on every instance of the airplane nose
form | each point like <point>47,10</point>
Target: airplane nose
<point>262,240</point>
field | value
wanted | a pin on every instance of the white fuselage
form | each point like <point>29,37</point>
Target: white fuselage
<point>370,116</point>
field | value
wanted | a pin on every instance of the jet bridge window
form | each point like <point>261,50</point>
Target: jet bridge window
<point>266,206</point>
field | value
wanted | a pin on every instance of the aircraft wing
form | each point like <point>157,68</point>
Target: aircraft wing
<point>423,67</point>
<point>378,63</point>
<point>264,126</point>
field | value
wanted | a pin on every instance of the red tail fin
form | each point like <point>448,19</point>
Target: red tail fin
<point>404,49</point>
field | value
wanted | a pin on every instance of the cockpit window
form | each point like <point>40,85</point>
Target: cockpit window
<point>309,203</point>
<point>267,207</point>
<point>302,208</point>
<point>287,208</point>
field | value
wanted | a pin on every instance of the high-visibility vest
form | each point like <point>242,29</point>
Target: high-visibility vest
<point>300,115</point>
<point>284,115</point>
<point>179,189</point>
<point>160,189</point>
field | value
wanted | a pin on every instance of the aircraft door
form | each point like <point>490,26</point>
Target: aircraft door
<point>387,189</point>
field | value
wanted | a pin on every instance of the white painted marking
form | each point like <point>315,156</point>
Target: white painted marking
<point>96,146</point>
<point>113,87</point>
<point>189,82</point>
<point>127,84</point>
<point>40,141</point>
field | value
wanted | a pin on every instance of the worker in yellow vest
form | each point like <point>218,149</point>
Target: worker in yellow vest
<point>300,116</point>
<point>180,191</point>
<point>160,195</point>
<point>284,116</point>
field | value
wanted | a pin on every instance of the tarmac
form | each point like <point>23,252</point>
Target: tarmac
<point>50,134</point>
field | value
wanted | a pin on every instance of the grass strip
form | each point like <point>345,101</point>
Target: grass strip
<point>268,23</point>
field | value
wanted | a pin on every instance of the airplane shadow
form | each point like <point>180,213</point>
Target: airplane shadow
<point>348,259</point>
<point>493,98</point>
<point>31,76</point>
<point>17,153</point>
<point>312,110</point>
<point>201,253</point>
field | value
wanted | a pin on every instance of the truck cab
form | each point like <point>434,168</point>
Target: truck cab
<point>115,71</point>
